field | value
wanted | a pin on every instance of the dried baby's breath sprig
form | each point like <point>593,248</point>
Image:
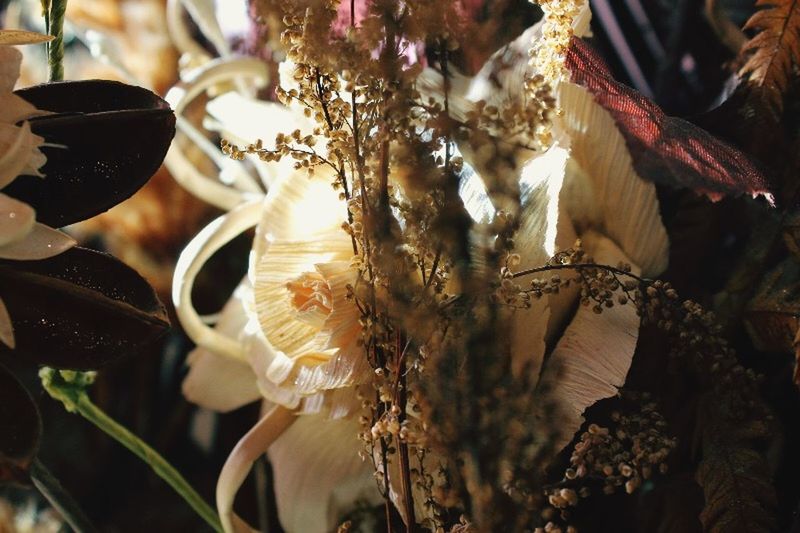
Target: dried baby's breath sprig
<point>548,54</point>
<point>619,457</point>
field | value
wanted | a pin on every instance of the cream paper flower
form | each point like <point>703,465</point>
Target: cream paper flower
<point>292,333</point>
<point>584,186</point>
<point>21,237</point>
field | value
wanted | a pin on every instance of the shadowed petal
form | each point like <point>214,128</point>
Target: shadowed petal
<point>318,473</point>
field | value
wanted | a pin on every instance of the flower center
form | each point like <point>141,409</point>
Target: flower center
<point>311,297</point>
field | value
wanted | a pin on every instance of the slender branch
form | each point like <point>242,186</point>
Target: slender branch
<point>578,266</point>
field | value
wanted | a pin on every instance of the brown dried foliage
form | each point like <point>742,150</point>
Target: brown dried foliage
<point>773,52</point>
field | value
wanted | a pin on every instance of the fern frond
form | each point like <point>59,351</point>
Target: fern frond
<point>734,476</point>
<point>772,53</point>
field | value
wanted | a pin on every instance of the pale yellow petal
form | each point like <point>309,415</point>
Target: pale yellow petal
<point>284,262</point>
<point>319,476</point>
<point>40,243</point>
<point>592,358</point>
<point>14,37</point>
<point>13,108</point>
<point>602,191</point>
<point>16,219</point>
<point>6,327</point>
<point>19,152</point>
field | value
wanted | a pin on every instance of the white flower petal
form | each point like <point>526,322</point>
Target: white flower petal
<point>16,219</point>
<point>42,242</point>
<point>592,358</point>
<point>6,327</point>
<point>217,382</point>
<point>602,191</point>
<point>241,460</point>
<point>14,108</point>
<point>19,152</point>
<point>318,474</point>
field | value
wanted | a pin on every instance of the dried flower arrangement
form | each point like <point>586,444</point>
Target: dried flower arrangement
<point>452,311</point>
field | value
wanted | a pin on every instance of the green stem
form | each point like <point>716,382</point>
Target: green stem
<point>59,498</point>
<point>55,48</point>
<point>69,388</point>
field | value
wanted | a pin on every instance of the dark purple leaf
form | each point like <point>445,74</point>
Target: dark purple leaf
<point>20,428</point>
<point>114,137</point>
<point>79,310</point>
<point>665,149</point>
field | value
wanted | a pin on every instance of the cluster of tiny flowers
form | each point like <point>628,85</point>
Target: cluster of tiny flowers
<point>547,55</point>
<point>624,455</point>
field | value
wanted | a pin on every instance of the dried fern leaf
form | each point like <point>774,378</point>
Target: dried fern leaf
<point>735,478</point>
<point>772,53</point>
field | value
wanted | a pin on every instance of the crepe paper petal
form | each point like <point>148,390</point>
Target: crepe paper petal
<point>20,428</point>
<point>592,358</point>
<point>79,310</point>
<point>15,37</point>
<point>218,382</point>
<point>535,243</point>
<point>664,149</point>
<point>6,327</point>
<point>319,476</point>
<point>208,187</point>
<point>181,34</point>
<point>18,153</point>
<point>295,263</point>
<point>241,460</point>
<point>203,14</point>
<point>40,243</point>
<point>16,220</point>
<point>199,250</point>
<point>601,188</point>
<point>105,139</point>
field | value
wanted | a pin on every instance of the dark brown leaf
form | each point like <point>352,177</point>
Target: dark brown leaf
<point>20,428</point>
<point>664,149</point>
<point>79,310</point>
<point>113,137</point>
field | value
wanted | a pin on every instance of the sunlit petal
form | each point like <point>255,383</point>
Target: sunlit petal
<point>602,191</point>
